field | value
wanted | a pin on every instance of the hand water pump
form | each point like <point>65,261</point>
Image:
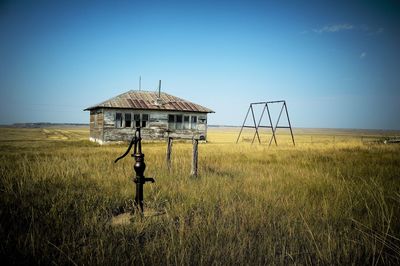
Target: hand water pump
<point>139,167</point>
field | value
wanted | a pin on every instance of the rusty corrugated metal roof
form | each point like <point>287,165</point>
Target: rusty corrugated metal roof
<point>147,100</point>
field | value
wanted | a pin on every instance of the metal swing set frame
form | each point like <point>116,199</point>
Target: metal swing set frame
<point>258,125</point>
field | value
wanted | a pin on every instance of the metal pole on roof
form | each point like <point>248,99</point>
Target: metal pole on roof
<point>159,88</point>
<point>140,83</point>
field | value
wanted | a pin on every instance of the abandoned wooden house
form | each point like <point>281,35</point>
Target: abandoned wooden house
<point>158,114</point>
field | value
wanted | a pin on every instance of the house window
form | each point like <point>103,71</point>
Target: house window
<point>128,122</point>
<point>194,122</point>
<point>171,121</point>
<point>136,117</point>
<point>118,120</point>
<point>141,120</point>
<point>203,119</point>
<point>145,119</point>
<point>181,122</point>
<point>178,121</point>
<point>186,120</point>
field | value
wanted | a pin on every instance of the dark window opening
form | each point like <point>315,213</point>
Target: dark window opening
<point>136,117</point>
<point>145,118</point>
<point>118,120</point>
<point>141,120</point>
<point>178,121</point>
<point>194,122</point>
<point>186,122</point>
<point>128,120</point>
<point>171,121</point>
<point>203,119</point>
<point>182,122</point>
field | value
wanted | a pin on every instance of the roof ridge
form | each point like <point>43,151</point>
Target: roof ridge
<point>146,101</point>
<point>139,91</point>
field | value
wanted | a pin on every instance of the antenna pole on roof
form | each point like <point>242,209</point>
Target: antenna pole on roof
<point>140,83</point>
<point>159,88</point>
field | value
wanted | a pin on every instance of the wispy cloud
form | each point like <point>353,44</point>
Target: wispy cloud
<point>363,55</point>
<point>376,32</point>
<point>334,28</point>
<point>370,31</point>
<point>347,27</point>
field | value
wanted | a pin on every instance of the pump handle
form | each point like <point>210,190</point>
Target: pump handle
<point>133,141</point>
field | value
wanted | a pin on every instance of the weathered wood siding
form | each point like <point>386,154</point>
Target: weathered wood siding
<point>156,129</point>
<point>96,125</point>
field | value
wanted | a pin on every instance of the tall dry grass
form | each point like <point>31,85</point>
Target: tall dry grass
<point>327,202</point>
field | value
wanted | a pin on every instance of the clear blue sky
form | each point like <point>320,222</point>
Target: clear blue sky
<point>336,63</point>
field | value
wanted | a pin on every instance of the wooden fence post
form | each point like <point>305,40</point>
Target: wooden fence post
<point>195,157</point>
<point>169,150</point>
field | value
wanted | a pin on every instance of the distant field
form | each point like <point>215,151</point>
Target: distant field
<point>334,198</point>
<point>301,135</point>
<point>215,135</point>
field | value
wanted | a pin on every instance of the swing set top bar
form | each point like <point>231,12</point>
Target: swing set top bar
<point>280,101</point>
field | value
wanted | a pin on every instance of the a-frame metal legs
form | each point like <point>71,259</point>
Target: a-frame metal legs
<point>258,125</point>
<point>272,127</point>
<point>255,125</point>
<point>274,130</point>
<point>290,126</point>
<point>243,123</point>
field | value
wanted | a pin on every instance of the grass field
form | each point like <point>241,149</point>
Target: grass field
<point>334,198</point>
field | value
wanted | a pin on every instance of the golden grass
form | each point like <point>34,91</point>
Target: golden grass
<point>332,200</point>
